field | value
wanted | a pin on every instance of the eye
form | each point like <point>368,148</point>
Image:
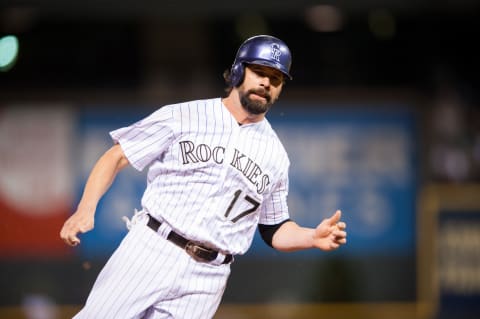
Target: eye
<point>259,72</point>
<point>276,77</point>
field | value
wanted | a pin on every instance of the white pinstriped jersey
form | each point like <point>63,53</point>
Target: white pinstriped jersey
<point>209,178</point>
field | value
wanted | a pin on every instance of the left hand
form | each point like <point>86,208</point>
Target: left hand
<point>330,233</point>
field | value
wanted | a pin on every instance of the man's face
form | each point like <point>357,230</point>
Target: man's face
<point>261,87</point>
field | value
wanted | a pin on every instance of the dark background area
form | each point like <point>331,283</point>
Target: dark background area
<point>106,44</point>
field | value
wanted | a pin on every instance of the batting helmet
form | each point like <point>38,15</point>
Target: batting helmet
<point>263,50</point>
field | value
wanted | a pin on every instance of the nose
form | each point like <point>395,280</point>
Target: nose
<point>265,81</point>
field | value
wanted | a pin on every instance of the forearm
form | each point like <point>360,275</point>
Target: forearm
<point>101,178</point>
<point>292,237</point>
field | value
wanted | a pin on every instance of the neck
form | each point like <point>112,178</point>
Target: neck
<point>233,105</point>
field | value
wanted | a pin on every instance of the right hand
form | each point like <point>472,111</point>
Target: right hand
<point>79,222</point>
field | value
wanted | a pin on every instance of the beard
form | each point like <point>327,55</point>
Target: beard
<point>256,106</point>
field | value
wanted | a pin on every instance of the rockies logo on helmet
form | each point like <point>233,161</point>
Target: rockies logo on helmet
<point>276,52</point>
<point>262,50</point>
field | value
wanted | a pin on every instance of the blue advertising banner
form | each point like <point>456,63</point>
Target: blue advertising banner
<point>355,158</point>
<point>359,159</point>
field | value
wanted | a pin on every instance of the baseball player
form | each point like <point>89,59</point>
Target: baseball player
<point>216,171</point>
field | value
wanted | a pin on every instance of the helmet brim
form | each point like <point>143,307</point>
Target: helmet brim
<point>270,64</point>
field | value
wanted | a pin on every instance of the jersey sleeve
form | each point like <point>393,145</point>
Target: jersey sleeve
<point>274,208</point>
<point>145,140</point>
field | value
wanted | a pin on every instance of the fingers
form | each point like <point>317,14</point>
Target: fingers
<point>339,233</point>
<point>69,235</point>
<point>336,244</point>
<point>337,224</point>
<point>331,232</point>
<point>339,237</point>
<point>73,241</point>
<point>70,230</point>
<point>335,217</point>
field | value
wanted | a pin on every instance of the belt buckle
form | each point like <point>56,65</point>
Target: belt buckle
<point>194,251</point>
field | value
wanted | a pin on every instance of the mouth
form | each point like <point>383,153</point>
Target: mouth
<point>260,94</point>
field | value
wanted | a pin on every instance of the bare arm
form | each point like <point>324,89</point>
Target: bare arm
<point>100,179</point>
<point>328,235</point>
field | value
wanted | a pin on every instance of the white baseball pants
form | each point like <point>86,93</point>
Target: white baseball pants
<point>150,277</point>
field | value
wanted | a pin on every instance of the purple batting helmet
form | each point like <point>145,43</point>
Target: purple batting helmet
<point>263,50</point>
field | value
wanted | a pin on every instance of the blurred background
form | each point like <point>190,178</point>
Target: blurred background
<point>382,120</point>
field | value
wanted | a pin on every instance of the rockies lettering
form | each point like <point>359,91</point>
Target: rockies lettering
<point>244,175</point>
<point>244,164</point>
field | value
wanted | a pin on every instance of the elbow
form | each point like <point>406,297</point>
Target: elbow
<point>116,155</point>
<point>268,233</point>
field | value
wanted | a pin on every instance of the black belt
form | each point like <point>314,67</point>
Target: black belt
<point>198,252</point>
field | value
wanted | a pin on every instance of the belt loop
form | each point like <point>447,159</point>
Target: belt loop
<point>164,230</point>
<point>222,259</point>
<point>158,226</point>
